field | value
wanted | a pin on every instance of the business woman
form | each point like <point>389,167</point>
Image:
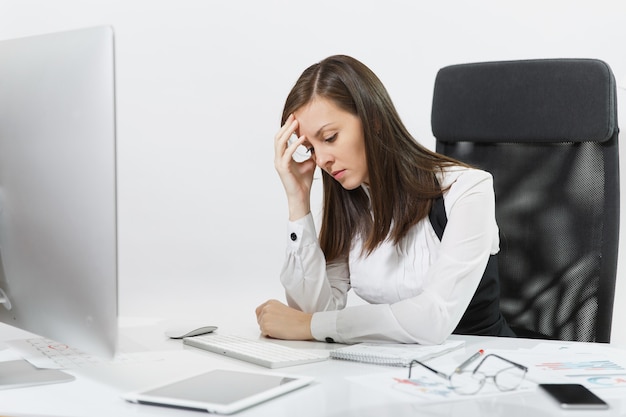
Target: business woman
<point>422,278</point>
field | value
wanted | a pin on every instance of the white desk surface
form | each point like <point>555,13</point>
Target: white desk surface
<point>96,390</point>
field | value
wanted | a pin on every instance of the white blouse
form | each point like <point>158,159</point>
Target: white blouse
<point>417,290</point>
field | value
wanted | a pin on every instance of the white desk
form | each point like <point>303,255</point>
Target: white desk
<point>96,391</point>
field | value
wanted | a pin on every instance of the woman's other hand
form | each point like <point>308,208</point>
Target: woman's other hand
<point>280,321</point>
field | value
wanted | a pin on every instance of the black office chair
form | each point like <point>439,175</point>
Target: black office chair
<point>547,131</point>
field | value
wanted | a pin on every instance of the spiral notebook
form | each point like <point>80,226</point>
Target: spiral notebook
<point>393,354</point>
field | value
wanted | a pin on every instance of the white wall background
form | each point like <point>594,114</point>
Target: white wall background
<point>201,85</point>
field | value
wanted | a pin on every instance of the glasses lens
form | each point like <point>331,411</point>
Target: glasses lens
<point>467,383</point>
<point>509,378</point>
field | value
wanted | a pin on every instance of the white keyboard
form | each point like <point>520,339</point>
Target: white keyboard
<point>268,354</point>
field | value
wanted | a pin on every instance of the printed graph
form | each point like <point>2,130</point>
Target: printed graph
<point>581,366</point>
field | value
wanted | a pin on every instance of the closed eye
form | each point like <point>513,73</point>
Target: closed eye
<point>331,138</point>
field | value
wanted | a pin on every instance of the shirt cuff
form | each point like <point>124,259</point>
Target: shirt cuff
<point>324,326</point>
<point>301,233</point>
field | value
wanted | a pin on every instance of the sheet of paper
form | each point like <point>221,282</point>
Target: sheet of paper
<point>592,365</point>
<point>47,354</point>
<point>424,385</point>
<point>427,388</point>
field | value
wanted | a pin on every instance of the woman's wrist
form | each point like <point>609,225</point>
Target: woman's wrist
<point>307,327</point>
<point>298,210</point>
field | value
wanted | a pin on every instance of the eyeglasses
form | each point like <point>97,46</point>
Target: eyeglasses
<point>468,382</point>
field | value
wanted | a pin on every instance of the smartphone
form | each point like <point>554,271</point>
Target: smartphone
<point>574,397</point>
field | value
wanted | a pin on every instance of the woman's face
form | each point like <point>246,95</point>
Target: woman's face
<point>335,140</point>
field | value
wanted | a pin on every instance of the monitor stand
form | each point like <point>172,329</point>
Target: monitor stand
<point>20,373</point>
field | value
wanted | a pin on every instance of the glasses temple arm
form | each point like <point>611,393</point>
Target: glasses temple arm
<point>414,361</point>
<point>525,369</point>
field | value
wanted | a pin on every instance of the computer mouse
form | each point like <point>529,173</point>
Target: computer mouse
<point>179,333</point>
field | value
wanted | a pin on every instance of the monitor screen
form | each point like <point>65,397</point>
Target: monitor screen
<point>58,206</point>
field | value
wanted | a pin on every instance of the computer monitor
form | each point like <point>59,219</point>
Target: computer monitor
<point>58,204</point>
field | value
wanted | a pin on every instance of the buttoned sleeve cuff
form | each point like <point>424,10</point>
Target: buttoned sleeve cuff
<point>301,233</point>
<point>324,326</point>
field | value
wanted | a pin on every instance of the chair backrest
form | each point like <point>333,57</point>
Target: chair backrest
<point>547,131</point>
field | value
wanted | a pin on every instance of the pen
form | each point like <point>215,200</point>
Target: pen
<point>468,361</point>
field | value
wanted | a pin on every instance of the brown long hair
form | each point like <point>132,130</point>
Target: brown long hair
<point>401,171</point>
